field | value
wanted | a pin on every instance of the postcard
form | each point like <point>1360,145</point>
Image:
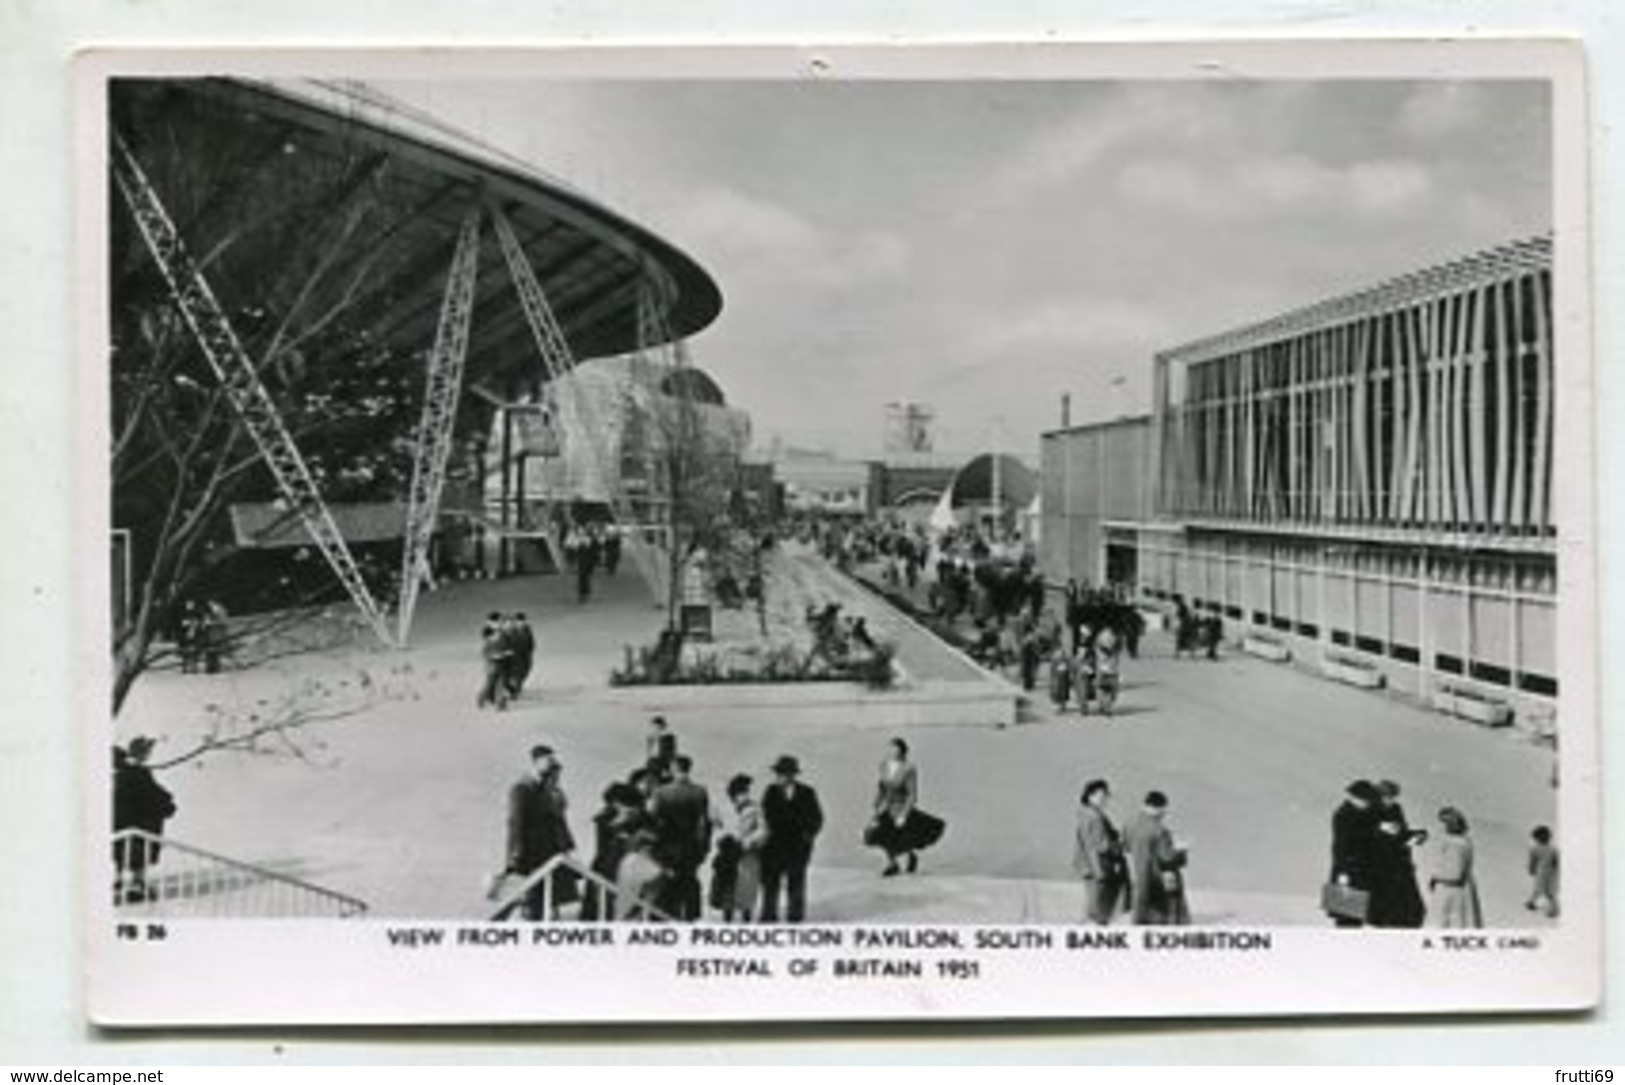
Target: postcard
<point>850,533</point>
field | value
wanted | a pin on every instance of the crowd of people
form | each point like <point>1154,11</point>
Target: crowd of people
<point>1195,636</point>
<point>658,827</point>
<point>662,847</point>
<point>653,834</point>
<point>984,591</point>
<point>202,636</point>
<point>1374,880</point>
<point>589,547</point>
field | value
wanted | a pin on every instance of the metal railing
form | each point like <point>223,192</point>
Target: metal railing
<point>615,903</point>
<point>162,877</point>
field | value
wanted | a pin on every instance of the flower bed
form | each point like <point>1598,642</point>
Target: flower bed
<point>1354,672</point>
<point>672,663</point>
<point>1469,704</point>
<point>1265,648</point>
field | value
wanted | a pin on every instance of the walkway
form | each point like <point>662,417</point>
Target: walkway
<point>402,804</point>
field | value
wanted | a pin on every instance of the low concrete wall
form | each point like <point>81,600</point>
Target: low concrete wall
<point>925,704</point>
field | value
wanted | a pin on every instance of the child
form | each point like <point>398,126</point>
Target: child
<point>1083,670</point>
<point>1060,678</point>
<point>1543,869</point>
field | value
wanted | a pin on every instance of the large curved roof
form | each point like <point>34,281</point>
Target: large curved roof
<point>419,179</point>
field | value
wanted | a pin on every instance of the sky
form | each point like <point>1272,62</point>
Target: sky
<point>983,247</point>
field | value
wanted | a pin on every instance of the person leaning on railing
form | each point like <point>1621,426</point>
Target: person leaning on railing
<point>139,802</point>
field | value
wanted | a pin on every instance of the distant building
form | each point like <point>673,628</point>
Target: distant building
<point>1096,500</point>
<point>1370,478</point>
<point>631,411</point>
<point>823,483</point>
<point>903,483</point>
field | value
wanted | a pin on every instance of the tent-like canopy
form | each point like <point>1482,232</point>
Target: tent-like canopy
<point>369,195</point>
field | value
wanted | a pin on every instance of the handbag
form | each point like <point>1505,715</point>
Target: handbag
<point>1344,901</point>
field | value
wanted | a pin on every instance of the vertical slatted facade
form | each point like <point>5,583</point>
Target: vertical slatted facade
<point>1422,408</point>
<point>1374,476</point>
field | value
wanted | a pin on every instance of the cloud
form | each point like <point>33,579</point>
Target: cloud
<point>1387,187</point>
<point>880,254</point>
<point>1285,181</point>
<point>1113,121</point>
<point>744,223</point>
<point>784,249</point>
<point>1065,154</point>
<point>1269,186</point>
<point>1437,109</point>
<point>1087,324</point>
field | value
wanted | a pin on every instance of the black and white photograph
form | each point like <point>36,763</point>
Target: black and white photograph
<point>968,532</point>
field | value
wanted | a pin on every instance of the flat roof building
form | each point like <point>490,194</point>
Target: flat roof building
<point>1367,481</point>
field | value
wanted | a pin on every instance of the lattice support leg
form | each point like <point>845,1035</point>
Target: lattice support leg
<point>444,382</point>
<point>239,377</point>
<point>584,431</point>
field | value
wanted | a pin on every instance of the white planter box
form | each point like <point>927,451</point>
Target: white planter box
<point>1351,671</point>
<point>1469,706</point>
<point>1263,648</point>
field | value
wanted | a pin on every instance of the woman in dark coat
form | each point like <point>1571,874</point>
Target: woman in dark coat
<point>1354,829</point>
<point>1396,899</point>
<point>613,827</point>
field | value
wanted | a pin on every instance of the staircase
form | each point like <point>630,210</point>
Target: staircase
<point>183,881</point>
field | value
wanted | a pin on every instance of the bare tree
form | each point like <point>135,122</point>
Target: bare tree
<point>278,726</point>
<point>291,244</point>
<point>697,468</point>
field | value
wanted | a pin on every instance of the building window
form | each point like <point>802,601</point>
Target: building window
<point>1280,623</point>
<point>1447,664</point>
<point>1233,612</point>
<point>1341,637</point>
<point>1543,684</point>
<point>1405,653</point>
<point>1370,645</point>
<point>1489,672</point>
<point>1308,629</point>
<point>1260,618</point>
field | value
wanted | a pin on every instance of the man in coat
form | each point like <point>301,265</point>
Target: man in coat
<point>139,802</point>
<point>539,829</point>
<point>1155,866</point>
<point>794,820</point>
<point>682,819</point>
<point>522,643</point>
<point>1354,830</point>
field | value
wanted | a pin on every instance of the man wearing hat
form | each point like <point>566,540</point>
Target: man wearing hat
<point>1155,867</point>
<point>139,802</point>
<point>794,818</point>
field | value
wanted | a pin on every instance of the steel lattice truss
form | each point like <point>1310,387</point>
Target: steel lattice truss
<point>583,430</point>
<point>434,439</point>
<point>239,377</point>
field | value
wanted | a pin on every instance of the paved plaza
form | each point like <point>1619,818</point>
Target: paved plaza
<point>403,804</point>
